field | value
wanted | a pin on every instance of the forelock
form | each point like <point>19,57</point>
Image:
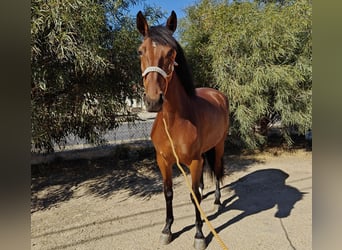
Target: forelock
<point>162,36</point>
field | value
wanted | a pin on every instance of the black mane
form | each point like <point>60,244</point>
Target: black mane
<point>163,36</point>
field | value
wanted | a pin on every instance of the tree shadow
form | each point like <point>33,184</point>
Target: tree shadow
<point>256,192</point>
<point>59,181</point>
<point>129,170</point>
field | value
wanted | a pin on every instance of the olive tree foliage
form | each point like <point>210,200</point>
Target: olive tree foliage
<point>83,65</point>
<point>260,55</point>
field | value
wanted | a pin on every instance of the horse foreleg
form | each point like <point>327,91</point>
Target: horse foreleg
<point>166,236</point>
<point>196,167</point>
<point>166,171</point>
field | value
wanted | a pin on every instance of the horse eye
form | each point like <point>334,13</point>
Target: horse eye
<point>169,54</point>
<point>140,52</point>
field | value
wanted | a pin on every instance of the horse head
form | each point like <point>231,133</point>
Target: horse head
<point>157,55</point>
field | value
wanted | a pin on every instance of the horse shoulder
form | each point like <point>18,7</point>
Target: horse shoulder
<point>187,142</point>
<point>188,132</point>
<point>157,131</point>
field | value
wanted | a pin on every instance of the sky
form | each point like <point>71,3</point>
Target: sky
<point>167,5</point>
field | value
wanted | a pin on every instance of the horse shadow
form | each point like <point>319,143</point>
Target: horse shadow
<point>253,193</point>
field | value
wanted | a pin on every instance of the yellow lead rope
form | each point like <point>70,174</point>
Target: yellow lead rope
<point>192,192</point>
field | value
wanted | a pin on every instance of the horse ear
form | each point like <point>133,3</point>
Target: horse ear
<point>142,24</point>
<point>171,22</point>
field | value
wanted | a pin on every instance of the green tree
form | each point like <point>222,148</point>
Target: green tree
<point>260,55</point>
<point>84,64</point>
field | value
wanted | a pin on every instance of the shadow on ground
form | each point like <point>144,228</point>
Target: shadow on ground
<point>133,171</point>
<point>56,182</point>
<point>256,192</point>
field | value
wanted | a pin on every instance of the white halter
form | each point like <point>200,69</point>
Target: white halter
<point>154,69</point>
<point>158,70</point>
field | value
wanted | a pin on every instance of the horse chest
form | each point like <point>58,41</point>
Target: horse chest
<point>185,140</point>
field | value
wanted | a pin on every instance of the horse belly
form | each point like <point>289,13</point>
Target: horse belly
<point>213,117</point>
<point>213,133</point>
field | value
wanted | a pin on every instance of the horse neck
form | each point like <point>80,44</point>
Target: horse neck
<point>177,102</point>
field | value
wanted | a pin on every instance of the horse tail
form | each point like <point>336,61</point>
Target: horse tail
<point>215,171</point>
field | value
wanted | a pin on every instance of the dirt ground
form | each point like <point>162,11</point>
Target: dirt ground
<point>110,203</point>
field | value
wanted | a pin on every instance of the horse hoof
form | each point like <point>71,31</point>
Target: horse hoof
<point>165,238</point>
<point>199,244</point>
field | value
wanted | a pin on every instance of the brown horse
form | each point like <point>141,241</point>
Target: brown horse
<point>197,118</point>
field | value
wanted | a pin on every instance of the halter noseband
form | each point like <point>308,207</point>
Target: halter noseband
<point>158,70</point>
<point>154,69</point>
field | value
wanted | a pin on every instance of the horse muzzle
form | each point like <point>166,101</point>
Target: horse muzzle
<point>153,105</point>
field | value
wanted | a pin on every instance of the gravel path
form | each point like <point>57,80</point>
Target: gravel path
<point>118,204</point>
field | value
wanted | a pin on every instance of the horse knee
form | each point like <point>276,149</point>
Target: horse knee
<point>168,193</point>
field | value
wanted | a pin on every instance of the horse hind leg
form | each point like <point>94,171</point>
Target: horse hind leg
<point>215,160</point>
<point>219,172</point>
<point>201,184</point>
